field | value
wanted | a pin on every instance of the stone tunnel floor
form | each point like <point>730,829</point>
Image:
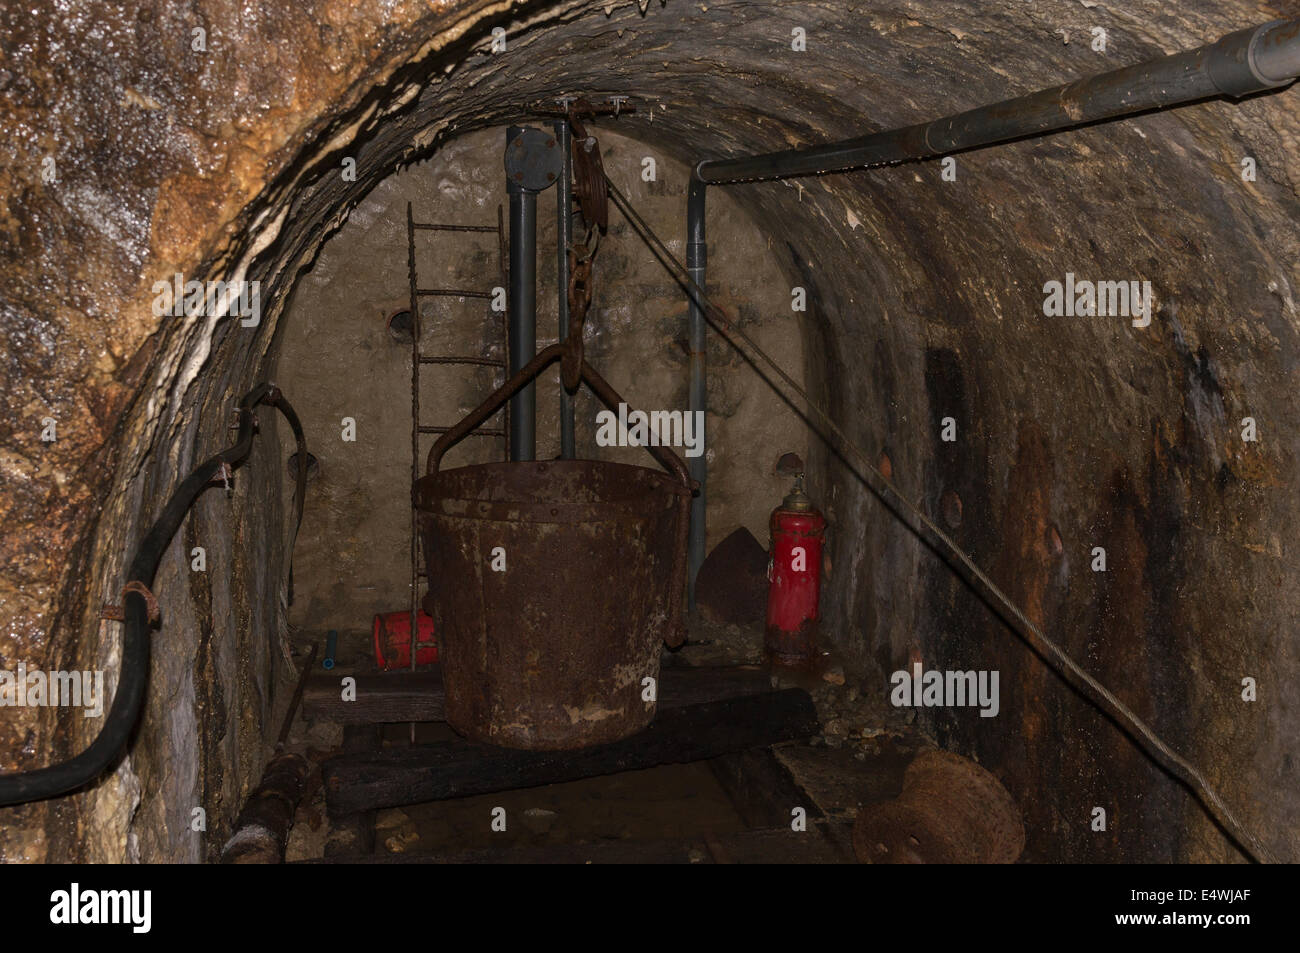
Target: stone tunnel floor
<point>858,759</point>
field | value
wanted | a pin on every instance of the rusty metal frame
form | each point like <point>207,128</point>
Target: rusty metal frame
<point>418,359</point>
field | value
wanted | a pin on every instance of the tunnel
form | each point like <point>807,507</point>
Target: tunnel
<point>1088,506</point>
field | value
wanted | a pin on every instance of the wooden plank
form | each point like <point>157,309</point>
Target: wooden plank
<point>460,768</point>
<point>381,699</point>
<point>396,697</point>
<point>683,686</point>
<point>818,845</point>
<point>761,788</point>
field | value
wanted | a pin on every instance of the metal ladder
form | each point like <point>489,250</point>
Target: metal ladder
<point>419,359</point>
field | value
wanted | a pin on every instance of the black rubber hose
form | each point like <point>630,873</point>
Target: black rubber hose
<point>48,782</point>
<point>276,399</point>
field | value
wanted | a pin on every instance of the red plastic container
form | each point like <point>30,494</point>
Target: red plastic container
<point>392,633</point>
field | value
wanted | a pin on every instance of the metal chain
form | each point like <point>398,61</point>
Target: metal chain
<point>593,199</point>
<point>579,302</point>
<point>912,516</point>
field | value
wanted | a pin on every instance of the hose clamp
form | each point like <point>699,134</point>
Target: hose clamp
<point>117,613</point>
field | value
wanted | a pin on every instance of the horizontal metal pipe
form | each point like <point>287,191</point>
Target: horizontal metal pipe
<point>1248,61</point>
<point>476,361</point>
<point>431,227</point>
<point>451,293</point>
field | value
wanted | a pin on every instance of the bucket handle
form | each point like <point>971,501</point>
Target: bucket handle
<point>610,398</point>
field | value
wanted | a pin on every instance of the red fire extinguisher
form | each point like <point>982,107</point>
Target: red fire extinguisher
<point>794,578</point>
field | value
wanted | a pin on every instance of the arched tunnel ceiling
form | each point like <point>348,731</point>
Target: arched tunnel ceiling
<point>928,293</point>
<point>167,156</point>
<point>160,135</point>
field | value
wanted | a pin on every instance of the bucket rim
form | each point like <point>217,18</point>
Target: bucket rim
<point>546,464</point>
<point>430,502</point>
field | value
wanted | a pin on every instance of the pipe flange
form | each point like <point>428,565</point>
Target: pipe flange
<point>1239,64</point>
<point>533,160</point>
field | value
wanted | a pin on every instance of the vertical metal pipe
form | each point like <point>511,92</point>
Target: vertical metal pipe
<point>697,397</point>
<point>564,237</point>
<point>415,430</point>
<point>523,311</point>
<point>502,255</point>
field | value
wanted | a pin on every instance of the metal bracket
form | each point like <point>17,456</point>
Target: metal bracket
<point>116,612</point>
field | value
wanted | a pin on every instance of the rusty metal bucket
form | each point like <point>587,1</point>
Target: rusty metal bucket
<point>552,652</point>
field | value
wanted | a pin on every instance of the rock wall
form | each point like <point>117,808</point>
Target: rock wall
<point>1072,433</point>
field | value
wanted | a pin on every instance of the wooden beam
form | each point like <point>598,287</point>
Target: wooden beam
<point>397,697</point>
<point>820,844</point>
<point>460,768</point>
<point>381,699</point>
<point>761,788</point>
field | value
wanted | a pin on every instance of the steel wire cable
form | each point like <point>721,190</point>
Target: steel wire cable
<point>965,567</point>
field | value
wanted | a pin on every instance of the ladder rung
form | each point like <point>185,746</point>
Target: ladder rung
<point>430,227</point>
<point>484,361</point>
<point>451,293</point>
<point>481,432</point>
